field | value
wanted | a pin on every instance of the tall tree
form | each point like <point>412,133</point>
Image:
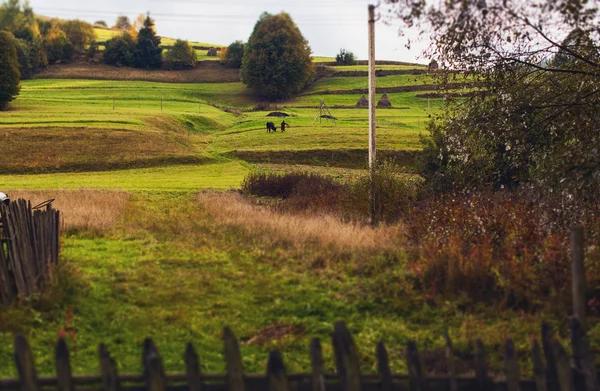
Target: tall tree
<point>122,23</point>
<point>232,56</point>
<point>277,62</point>
<point>181,56</point>
<point>148,53</point>
<point>80,33</point>
<point>9,69</point>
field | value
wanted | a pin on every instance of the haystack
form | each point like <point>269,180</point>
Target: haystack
<point>362,102</point>
<point>212,52</point>
<point>384,101</point>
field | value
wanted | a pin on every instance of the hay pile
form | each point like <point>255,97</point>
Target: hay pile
<point>384,101</point>
<point>362,102</point>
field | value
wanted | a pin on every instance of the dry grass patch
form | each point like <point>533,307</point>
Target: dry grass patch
<point>301,230</point>
<point>95,210</point>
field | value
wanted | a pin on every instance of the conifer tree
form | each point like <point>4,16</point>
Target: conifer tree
<point>148,53</point>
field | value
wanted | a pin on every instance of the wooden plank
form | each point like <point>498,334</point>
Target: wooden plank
<point>276,372</point>
<point>481,374</point>
<point>25,365</point>
<point>415,371</point>
<point>108,368</point>
<point>539,374</point>
<point>63,366</point>
<point>317,365</point>
<point>578,281</point>
<point>450,362</point>
<point>511,366</point>
<point>192,368</point>
<point>153,368</point>
<point>7,288</point>
<point>550,356</point>
<point>383,367</point>
<point>582,355</point>
<point>563,368</point>
<point>346,358</point>
<point>233,361</point>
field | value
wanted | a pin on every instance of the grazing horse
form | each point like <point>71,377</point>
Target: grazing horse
<point>271,126</point>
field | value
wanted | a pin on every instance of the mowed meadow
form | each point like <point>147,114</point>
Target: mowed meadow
<point>158,242</point>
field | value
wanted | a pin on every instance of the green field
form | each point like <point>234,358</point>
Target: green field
<point>170,269</point>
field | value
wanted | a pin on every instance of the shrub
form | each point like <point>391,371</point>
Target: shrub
<point>277,62</point>
<point>58,47</point>
<point>272,184</point>
<point>119,51</point>
<point>345,57</point>
<point>79,33</point>
<point>181,56</point>
<point>92,50</point>
<point>9,69</point>
<point>233,55</point>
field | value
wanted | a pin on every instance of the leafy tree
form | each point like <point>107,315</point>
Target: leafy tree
<point>9,69</point>
<point>277,62</point>
<point>19,19</point>
<point>181,56</point>
<point>101,23</point>
<point>345,57</point>
<point>537,118</point>
<point>122,23</point>
<point>79,33</point>
<point>92,50</point>
<point>58,47</point>
<point>119,51</point>
<point>233,55</point>
<point>148,53</point>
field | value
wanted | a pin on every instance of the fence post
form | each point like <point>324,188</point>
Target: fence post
<point>578,274</point>
<point>108,368</point>
<point>383,367</point>
<point>192,368</point>
<point>233,358</point>
<point>346,358</point>
<point>25,365</point>
<point>63,366</point>
<point>450,362</point>
<point>154,372</point>
<point>511,367</point>
<point>318,367</point>
<point>538,366</point>
<point>276,372</point>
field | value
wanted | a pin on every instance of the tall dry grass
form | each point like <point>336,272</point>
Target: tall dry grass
<point>96,210</point>
<point>300,229</point>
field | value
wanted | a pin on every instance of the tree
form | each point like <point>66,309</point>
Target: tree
<point>122,23</point>
<point>536,118</point>
<point>233,55</point>
<point>277,62</point>
<point>19,20</point>
<point>181,56</point>
<point>58,47</point>
<point>345,57</point>
<point>148,53</point>
<point>119,51</point>
<point>9,69</point>
<point>101,23</point>
<point>79,33</point>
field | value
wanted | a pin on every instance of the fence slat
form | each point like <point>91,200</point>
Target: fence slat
<point>317,365</point>
<point>153,369</point>
<point>108,368</point>
<point>538,366</point>
<point>450,362</point>
<point>276,372</point>
<point>563,368</point>
<point>415,371</point>
<point>233,360</point>
<point>480,367</point>
<point>550,356</point>
<point>383,367</point>
<point>25,365</point>
<point>63,366</point>
<point>192,368</point>
<point>511,367</point>
<point>346,358</point>
<point>582,355</point>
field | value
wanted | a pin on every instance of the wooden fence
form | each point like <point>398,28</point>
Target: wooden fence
<point>29,246</point>
<point>559,373</point>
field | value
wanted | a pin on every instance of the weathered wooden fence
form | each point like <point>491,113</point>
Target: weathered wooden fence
<point>552,369</point>
<point>29,246</point>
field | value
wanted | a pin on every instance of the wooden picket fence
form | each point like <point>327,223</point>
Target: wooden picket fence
<point>559,373</point>
<point>29,247</point>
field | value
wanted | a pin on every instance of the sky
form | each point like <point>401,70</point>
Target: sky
<point>328,25</point>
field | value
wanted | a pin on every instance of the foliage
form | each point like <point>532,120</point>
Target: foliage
<point>147,51</point>
<point>80,33</point>
<point>233,55</point>
<point>92,50</point>
<point>58,47</point>
<point>19,19</point>
<point>101,23</point>
<point>119,51</point>
<point>345,57</point>
<point>9,69</point>
<point>32,57</point>
<point>181,56</point>
<point>536,119</point>
<point>122,23</point>
<point>277,62</point>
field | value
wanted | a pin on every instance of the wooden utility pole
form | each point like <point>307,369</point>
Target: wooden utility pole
<point>372,92</point>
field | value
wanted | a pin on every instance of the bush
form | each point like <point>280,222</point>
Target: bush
<point>119,51</point>
<point>58,47</point>
<point>181,56</point>
<point>9,69</point>
<point>277,62</point>
<point>345,58</point>
<point>233,55</point>
<point>272,184</point>
<point>79,33</point>
<point>92,50</point>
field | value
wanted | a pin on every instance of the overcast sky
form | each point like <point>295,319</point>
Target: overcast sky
<point>327,24</point>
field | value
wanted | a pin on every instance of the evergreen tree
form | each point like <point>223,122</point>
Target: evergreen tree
<point>9,69</point>
<point>148,53</point>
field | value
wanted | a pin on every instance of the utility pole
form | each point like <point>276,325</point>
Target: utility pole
<point>372,92</point>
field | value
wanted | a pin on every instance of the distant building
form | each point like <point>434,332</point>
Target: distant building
<point>433,66</point>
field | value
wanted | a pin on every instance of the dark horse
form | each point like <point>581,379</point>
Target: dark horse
<point>271,126</point>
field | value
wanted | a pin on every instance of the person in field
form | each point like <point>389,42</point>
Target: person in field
<point>283,125</point>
